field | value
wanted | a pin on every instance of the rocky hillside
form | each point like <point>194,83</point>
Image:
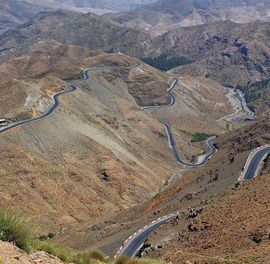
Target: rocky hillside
<point>257,95</point>
<point>90,152</point>
<point>11,253</point>
<point>67,27</point>
<point>231,53</point>
<point>221,220</point>
<point>28,82</point>
<point>215,233</point>
<point>229,227</point>
<point>100,151</point>
<point>13,13</point>
<point>168,14</point>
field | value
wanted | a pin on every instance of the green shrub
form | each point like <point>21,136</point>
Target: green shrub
<point>51,235</point>
<point>198,137</point>
<point>122,260</point>
<point>95,254</point>
<point>133,261</point>
<point>67,254</point>
<point>81,258</point>
<point>43,238</point>
<point>14,228</point>
<point>87,257</point>
<point>62,253</point>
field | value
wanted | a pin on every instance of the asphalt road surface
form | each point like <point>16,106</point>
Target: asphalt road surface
<point>253,163</point>
<point>54,106</point>
<point>172,144</point>
<point>134,244</point>
<point>171,140</point>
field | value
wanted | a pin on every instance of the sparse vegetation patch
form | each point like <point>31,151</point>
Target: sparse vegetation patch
<point>197,137</point>
<point>166,63</point>
<point>14,228</point>
<point>68,254</point>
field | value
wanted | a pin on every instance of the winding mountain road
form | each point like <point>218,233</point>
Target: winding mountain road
<point>253,163</point>
<point>204,158</point>
<point>133,244</point>
<point>173,101</point>
<point>53,107</point>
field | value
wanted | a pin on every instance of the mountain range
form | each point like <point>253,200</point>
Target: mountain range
<point>164,15</point>
<point>233,54</point>
<point>97,6</point>
<point>16,12</point>
<point>13,13</point>
<point>150,123</point>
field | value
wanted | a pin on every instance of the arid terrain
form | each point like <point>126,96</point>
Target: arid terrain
<point>235,55</point>
<point>213,193</point>
<point>101,166</point>
<point>231,227</point>
<point>115,139</point>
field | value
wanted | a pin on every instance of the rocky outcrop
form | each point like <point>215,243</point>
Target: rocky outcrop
<point>11,254</point>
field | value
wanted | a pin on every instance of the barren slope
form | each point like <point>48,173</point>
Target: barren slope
<point>230,216</point>
<point>99,151</point>
<point>232,220</point>
<point>28,82</point>
<point>232,54</point>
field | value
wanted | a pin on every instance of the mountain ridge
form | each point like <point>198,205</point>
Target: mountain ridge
<point>165,15</point>
<point>231,53</point>
<point>96,6</point>
<point>14,13</point>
